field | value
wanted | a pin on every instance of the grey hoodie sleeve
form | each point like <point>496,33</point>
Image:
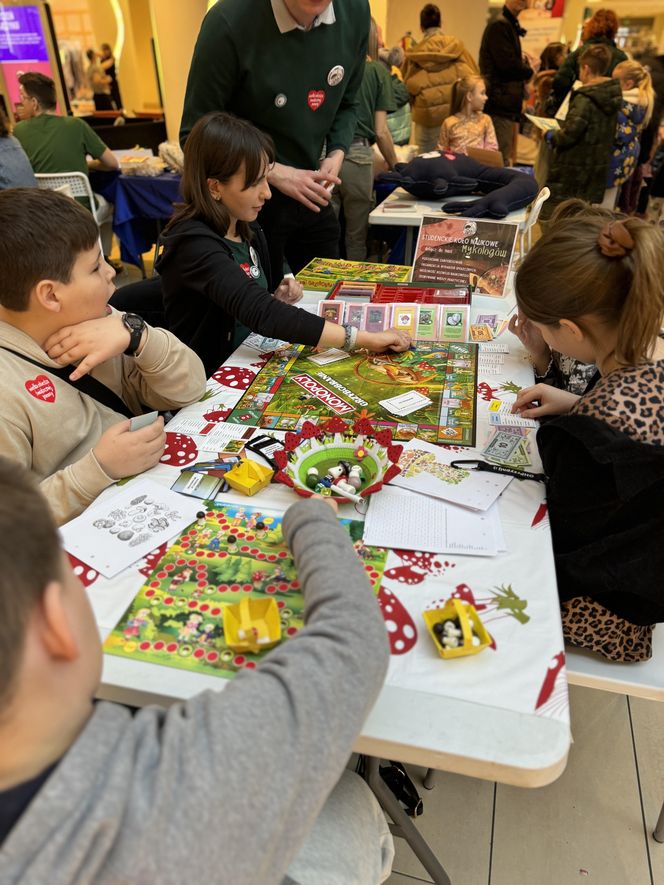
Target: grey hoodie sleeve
<point>253,765</point>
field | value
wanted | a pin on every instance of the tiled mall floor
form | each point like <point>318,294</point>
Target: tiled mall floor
<point>592,825</point>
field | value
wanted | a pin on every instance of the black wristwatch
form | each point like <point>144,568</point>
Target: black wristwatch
<point>135,324</point>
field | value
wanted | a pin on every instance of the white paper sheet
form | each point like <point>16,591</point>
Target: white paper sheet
<point>112,535</point>
<point>425,469</point>
<point>404,520</point>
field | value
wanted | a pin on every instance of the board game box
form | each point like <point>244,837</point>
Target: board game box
<point>299,384</point>
<point>176,618</point>
<point>322,273</point>
<point>390,293</point>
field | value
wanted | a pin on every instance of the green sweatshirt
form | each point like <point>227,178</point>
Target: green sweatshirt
<point>286,84</point>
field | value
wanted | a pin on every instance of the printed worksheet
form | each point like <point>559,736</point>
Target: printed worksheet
<point>116,532</point>
<point>425,468</point>
<point>403,520</point>
<point>209,436</point>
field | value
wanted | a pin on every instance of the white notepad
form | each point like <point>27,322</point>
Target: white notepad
<point>404,520</point>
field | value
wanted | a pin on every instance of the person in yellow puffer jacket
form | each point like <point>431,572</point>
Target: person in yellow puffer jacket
<point>431,68</point>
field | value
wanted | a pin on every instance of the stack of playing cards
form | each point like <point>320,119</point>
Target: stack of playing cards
<point>405,403</point>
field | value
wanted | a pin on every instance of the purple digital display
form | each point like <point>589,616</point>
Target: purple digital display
<point>22,35</point>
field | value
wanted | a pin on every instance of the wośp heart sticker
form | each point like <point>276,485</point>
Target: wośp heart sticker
<point>41,388</point>
<point>315,99</point>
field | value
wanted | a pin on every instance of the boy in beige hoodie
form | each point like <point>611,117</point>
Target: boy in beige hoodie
<point>54,313</point>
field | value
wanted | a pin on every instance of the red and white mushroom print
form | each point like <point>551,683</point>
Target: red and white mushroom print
<point>217,414</point>
<point>416,566</point>
<point>85,573</point>
<point>401,629</point>
<point>234,376</point>
<point>550,689</point>
<point>465,594</point>
<point>180,450</point>
<point>151,561</point>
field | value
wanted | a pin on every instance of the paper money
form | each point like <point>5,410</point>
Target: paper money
<point>481,333</point>
<point>501,446</point>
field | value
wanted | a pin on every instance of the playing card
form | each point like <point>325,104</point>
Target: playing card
<point>487,319</point>
<point>143,420</point>
<point>481,333</point>
<point>405,403</point>
<point>332,355</point>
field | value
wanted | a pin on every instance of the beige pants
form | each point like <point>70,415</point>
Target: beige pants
<point>505,134</point>
<point>425,137</point>
<point>355,195</point>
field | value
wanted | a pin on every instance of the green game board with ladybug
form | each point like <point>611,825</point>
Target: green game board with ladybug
<point>293,388</point>
<point>176,617</point>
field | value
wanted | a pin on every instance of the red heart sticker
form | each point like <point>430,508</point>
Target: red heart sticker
<point>315,99</point>
<point>41,388</point>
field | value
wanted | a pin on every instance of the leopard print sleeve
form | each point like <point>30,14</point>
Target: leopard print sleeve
<point>631,400</point>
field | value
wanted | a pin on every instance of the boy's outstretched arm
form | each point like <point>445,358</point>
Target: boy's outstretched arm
<point>251,767</point>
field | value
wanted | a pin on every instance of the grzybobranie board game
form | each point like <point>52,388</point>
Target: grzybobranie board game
<point>427,391</point>
<point>176,618</point>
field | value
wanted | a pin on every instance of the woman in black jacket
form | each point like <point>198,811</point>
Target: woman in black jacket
<point>214,264</point>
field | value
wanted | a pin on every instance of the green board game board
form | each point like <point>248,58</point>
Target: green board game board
<point>292,388</point>
<point>176,617</point>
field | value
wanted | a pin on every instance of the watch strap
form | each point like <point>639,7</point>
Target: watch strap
<point>350,337</point>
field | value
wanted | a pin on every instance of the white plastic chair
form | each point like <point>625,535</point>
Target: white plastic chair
<point>525,240</point>
<point>73,184</point>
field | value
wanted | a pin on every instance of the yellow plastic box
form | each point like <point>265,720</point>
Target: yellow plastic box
<point>252,625</point>
<point>465,613</point>
<point>249,477</point>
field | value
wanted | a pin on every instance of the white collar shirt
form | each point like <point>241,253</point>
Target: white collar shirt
<point>286,22</point>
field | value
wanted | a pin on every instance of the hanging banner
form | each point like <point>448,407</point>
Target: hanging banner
<point>543,21</point>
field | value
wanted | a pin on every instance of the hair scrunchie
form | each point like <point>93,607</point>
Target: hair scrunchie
<point>615,240</point>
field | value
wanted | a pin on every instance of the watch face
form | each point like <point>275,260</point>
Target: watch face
<point>134,321</point>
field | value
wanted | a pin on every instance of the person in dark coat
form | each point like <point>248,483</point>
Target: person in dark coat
<point>600,29</point>
<point>582,146</point>
<point>214,265</point>
<point>505,70</point>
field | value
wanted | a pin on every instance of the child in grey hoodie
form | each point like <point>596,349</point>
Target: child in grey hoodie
<point>236,786</point>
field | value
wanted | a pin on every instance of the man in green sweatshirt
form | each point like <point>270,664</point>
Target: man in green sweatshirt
<point>293,68</point>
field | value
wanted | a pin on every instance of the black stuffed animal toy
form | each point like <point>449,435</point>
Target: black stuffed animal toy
<point>441,174</point>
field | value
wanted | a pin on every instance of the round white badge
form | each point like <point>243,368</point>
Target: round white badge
<point>254,271</point>
<point>280,100</point>
<point>335,76</point>
<point>252,255</point>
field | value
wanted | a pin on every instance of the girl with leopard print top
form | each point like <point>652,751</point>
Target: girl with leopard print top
<point>593,286</point>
